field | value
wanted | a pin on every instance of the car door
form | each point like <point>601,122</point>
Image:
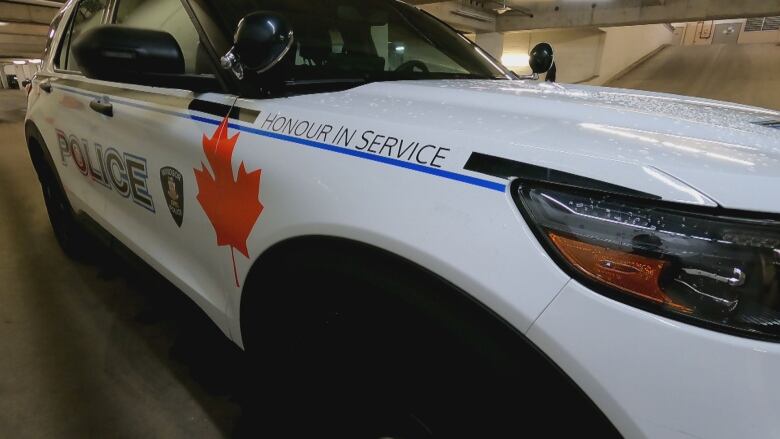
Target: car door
<point>152,142</point>
<point>70,127</point>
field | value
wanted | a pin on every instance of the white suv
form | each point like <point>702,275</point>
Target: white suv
<point>409,238</point>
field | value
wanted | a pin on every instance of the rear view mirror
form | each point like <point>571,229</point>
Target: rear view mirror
<point>126,54</point>
<point>261,40</point>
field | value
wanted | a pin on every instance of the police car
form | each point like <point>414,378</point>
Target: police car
<point>407,236</point>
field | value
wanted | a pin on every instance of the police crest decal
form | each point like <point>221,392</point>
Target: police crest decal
<point>173,189</point>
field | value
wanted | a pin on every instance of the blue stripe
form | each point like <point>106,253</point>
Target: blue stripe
<point>474,181</point>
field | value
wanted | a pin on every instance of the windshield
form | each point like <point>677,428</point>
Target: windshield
<point>364,40</point>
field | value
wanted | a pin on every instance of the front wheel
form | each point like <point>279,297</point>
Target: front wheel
<point>71,236</point>
<point>353,345</point>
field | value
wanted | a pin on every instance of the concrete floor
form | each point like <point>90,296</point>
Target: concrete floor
<point>747,73</point>
<point>95,350</point>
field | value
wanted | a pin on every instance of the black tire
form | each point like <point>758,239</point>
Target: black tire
<point>71,236</point>
<point>359,345</point>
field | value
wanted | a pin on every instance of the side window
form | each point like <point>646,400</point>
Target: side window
<point>55,24</point>
<point>170,16</point>
<point>89,13</point>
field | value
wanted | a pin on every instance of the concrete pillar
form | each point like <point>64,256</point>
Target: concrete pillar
<point>17,71</point>
<point>29,71</point>
<point>492,43</point>
<point>3,77</point>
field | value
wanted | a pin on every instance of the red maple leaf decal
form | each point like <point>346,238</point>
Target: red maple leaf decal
<point>232,205</point>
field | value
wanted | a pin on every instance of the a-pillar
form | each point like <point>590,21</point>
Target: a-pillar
<point>492,43</point>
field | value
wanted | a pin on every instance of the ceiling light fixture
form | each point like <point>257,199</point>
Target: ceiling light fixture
<point>19,62</point>
<point>503,9</point>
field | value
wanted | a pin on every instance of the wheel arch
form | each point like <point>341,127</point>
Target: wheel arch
<point>281,252</point>
<point>455,307</point>
<point>39,152</point>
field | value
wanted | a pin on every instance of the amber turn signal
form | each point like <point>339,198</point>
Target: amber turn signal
<point>705,267</point>
<point>635,274</point>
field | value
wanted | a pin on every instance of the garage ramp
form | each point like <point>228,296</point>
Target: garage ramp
<point>747,74</point>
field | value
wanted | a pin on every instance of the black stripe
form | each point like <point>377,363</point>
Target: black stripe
<point>769,124</point>
<point>247,115</point>
<point>505,168</point>
<point>213,108</point>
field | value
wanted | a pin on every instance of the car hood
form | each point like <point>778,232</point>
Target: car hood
<point>679,148</point>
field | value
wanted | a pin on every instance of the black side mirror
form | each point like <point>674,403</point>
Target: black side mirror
<point>262,39</point>
<point>126,54</point>
<point>541,58</point>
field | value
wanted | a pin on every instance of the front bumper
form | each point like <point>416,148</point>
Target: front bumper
<point>658,378</point>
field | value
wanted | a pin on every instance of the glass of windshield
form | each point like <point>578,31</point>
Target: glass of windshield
<point>368,40</point>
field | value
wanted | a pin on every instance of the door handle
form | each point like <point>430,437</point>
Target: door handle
<point>102,107</point>
<point>45,86</point>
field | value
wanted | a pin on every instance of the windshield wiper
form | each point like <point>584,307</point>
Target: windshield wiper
<point>463,76</point>
<point>353,82</point>
<point>303,82</point>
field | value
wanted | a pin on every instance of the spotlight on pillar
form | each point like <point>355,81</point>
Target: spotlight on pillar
<point>541,60</point>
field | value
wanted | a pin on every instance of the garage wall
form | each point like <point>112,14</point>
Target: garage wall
<point>759,37</point>
<point>22,72</point>
<point>624,46</point>
<point>699,33</point>
<point>696,33</point>
<point>591,55</point>
<point>577,51</point>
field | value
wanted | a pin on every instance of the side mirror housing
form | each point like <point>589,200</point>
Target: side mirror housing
<point>541,58</point>
<point>261,40</point>
<point>126,54</point>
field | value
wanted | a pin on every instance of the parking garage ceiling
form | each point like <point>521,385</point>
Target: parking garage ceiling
<point>23,26</point>
<point>24,23</point>
<point>514,15</point>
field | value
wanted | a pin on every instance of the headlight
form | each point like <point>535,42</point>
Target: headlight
<point>706,266</point>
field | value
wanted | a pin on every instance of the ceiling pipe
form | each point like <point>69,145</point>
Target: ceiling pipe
<point>44,3</point>
<point>473,15</point>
